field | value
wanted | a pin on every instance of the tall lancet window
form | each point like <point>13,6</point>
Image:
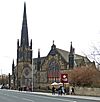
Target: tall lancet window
<point>53,71</point>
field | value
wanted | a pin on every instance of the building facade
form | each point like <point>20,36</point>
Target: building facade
<point>46,69</point>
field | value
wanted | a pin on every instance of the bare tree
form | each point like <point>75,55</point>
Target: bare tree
<point>94,55</point>
<point>85,76</point>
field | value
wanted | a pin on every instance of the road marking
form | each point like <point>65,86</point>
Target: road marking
<point>64,100</point>
<point>26,99</point>
<point>29,100</point>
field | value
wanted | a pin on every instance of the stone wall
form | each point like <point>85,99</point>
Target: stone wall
<point>87,91</point>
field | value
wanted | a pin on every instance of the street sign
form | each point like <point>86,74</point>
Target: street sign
<point>64,78</point>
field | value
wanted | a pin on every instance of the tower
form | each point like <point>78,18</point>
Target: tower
<point>71,57</point>
<point>24,56</point>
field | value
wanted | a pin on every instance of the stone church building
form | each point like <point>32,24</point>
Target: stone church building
<point>40,72</point>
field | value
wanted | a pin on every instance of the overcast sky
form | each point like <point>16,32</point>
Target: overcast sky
<point>60,20</point>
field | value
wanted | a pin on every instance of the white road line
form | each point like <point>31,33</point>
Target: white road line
<point>26,99</point>
<point>64,100</point>
<point>69,96</point>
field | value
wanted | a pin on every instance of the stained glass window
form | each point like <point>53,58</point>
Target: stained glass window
<point>53,70</point>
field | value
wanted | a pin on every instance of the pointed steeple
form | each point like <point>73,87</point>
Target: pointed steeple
<point>17,50</point>
<point>71,49</point>
<point>17,43</point>
<point>31,44</point>
<point>71,57</point>
<point>53,49</point>
<point>38,60</point>
<point>13,66</point>
<point>13,73</point>
<point>53,46</point>
<point>38,53</point>
<point>24,31</point>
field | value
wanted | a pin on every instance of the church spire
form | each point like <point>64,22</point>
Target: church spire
<point>24,31</point>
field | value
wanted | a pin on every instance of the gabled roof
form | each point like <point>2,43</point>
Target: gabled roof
<point>63,53</point>
<point>79,59</point>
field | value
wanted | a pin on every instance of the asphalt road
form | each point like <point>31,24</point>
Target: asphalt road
<point>16,96</point>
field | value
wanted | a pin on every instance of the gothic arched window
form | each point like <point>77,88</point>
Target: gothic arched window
<point>53,70</point>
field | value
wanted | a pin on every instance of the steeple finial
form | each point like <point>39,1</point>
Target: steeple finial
<point>38,60</point>
<point>24,31</point>
<point>71,47</point>
<point>13,67</point>
<point>53,42</point>
<point>53,46</point>
<point>72,50</point>
<point>38,53</point>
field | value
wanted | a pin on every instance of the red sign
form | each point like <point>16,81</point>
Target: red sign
<point>64,78</point>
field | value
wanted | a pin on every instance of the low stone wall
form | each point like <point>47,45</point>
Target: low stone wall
<point>87,91</point>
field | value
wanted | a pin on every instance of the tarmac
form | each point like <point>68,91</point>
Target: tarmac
<point>70,96</point>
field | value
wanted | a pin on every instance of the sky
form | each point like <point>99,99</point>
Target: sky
<point>60,20</point>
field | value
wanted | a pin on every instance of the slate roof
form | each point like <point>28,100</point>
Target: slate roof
<point>63,53</point>
<point>79,59</point>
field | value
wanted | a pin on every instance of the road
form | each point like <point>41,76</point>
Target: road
<point>16,96</point>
